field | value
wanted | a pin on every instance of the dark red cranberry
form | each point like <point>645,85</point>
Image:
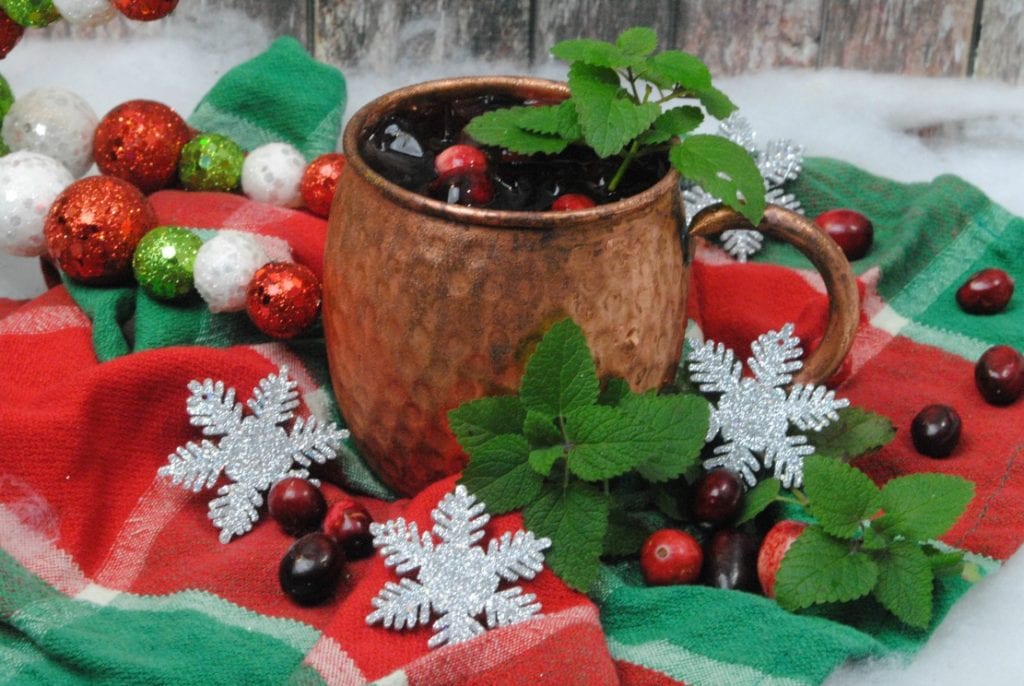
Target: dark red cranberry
<point>670,557</point>
<point>460,157</point>
<point>986,292</point>
<point>463,187</point>
<point>348,523</point>
<point>571,202</point>
<point>935,430</point>
<point>717,497</point>
<point>999,375</point>
<point>311,569</point>
<point>850,229</point>
<point>297,505</point>
<point>731,560</point>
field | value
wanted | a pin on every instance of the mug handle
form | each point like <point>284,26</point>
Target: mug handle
<point>822,251</point>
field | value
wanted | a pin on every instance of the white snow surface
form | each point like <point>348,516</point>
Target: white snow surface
<point>867,119</point>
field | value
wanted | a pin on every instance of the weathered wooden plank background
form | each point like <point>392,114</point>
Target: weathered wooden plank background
<point>983,38</point>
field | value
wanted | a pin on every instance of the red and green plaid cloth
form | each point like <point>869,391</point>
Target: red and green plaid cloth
<point>110,574</point>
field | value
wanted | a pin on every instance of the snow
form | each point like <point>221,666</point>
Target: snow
<point>870,120</point>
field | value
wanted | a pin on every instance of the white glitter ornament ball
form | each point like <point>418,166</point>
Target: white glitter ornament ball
<point>271,173</point>
<point>54,122</point>
<point>224,267</point>
<point>86,12</point>
<point>29,183</point>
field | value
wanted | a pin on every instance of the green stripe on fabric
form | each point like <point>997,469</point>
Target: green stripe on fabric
<point>965,346</point>
<point>189,637</point>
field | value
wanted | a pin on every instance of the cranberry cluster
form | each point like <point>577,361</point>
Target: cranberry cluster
<point>314,566</point>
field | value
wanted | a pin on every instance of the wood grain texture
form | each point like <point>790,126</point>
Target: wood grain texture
<point>558,20</point>
<point>1001,42</point>
<point>902,36</point>
<point>383,35</point>
<point>747,35</point>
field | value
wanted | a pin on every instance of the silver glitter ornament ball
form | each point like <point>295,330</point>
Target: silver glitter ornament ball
<point>271,173</point>
<point>53,122</point>
<point>86,12</point>
<point>224,267</point>
<point>29,183</point>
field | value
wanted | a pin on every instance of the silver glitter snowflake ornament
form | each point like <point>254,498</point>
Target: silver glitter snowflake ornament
<point>457,580</point>
<point>255,451</point>
<point>779,162</point>
<point>753,414</point>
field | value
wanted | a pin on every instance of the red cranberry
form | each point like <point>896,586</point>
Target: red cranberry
<point>731,560</point>
<point>850,229</point>
<point>999,375</point>
<point>774,547</point>
<point>986,292</point>
<point>460,157</point>
<point>670,556</point>
<point>311,569</point>
<point>571,202</point>
<point>463,187</point>
<point>348,523</point>
<point>718,497</point>
<point>935,430</point>
<point>297,505</point>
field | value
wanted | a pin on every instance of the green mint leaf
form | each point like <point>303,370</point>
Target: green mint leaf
<point>543,459</point>
<point>923,506</point>
<point>593,52</point>
<point>758,499</point>
<point>674,427</point>
<point>673,122</point>
<point>501,128</point>
<point>873,540</point>
<point>856,433</point>
<point>841,496</point>
<point>615,389</point>
<point>818,568</point>
<point>575,519</point>
<point>605,442</point>
<point>638,41</point>
<point>477,422</point>
<point>943,562</point>
<point>715,102</point>
<point>905,583</point>
<point>500,475</point>
<point>625,535</point>
<point>556,120</point>
<point>666,499</point>
<point>676,68</point>
<point>560,376</point>
<point>540,430</point>
<point>608,117</point>
<point>725,170</point>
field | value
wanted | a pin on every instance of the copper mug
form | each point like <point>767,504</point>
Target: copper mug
<point>428,305</point>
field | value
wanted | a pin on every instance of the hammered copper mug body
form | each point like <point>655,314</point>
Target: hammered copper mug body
<point>428,305</point>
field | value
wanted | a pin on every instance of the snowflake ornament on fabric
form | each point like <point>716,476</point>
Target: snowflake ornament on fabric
<point>779,162</point>
<point>753,414</point>
<point>255,451</point>
<point>457,580</point>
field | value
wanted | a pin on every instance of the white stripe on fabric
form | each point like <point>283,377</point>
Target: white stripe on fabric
<point>38,554</point>
<point>33,321</point>
<point>333,664</point>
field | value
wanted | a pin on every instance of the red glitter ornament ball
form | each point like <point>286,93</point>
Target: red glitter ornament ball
<point>319,182</point>
<point>145,10</point>
<point>93,227</point>
<point>283,299</point>
<point>140,141</point>
<point>10,34</point>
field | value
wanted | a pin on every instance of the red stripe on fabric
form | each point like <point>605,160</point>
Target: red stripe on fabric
<point>631,674</point>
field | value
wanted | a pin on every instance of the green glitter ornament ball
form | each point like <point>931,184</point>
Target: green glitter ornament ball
<point>6,100</point>
<point>163,261</point>
<point>211,162</point>
<point>35,13</point>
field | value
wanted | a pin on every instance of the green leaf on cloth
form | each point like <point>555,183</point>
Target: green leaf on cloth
<point>819,568</point>
<point>759,498</point>
<point>575,518</point>
<point>841,496</point>
<point>560,375</point>
<point>858,431</point>
<point>905,582</point>
<point>923,506</point>
<point>478,422</point>
<point>500,474</point>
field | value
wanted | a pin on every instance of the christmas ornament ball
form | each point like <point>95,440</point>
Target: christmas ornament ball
<point>145,10</point>
<point>140,141</point>
<point>320,181</point>
<point>164,260</point>
<point>94,226</point>
<point>10,33</point>
<point>29,183</point>
<point>86,12</point>
<point>224,267</point>
<point>210,162</point>
<point>6,97</point>
<point>283,299</point>
<point>54,122</point>
<point>271,173</point>
<point>35,13</point>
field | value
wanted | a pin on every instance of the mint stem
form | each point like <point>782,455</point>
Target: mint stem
<point>801,499</point>
<point>621,171</point>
